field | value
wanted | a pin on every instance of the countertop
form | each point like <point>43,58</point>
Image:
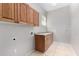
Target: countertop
<point>44,33</point>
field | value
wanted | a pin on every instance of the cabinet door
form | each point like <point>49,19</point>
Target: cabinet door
<point>6,8</point>
<point>19,12</point>
<point>12,11</point>
<point>8,11</point>
<point>36,18</point>
<point>31,16</point>
<point>23,13</point>
<point>0,10</point>
<point>16,12</point>
<point>28,14</point>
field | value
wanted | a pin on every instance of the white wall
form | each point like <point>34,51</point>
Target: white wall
<point>75,27</point>
<point>24,43</point>
<point>58,22</point>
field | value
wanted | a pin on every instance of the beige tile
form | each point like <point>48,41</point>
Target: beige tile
<point>36,53</point>
<point>64,49</point>
<point>57,49</point>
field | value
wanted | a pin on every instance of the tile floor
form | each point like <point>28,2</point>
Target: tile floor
<point>57,49</point>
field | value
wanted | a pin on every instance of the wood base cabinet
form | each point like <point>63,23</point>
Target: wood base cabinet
<point>43,42</point>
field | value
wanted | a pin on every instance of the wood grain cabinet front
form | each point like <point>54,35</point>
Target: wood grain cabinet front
<point>8,10</point>
<point>12,11</point>
<point>0,10</point>
<point>36,18</point>
<point>48,41</point>
<point>31,16</point>
<point>23,13</point>
<point>43,42</point>
<point>16,12</point>
<point>19,12</point>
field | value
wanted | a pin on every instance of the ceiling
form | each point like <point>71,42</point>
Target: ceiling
<point>51,6</point>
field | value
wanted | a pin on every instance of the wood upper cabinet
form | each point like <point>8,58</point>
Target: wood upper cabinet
<point>8,11</point>
<point>12,11</point>
<point>0,10</point>
<point>31,16</point>
<point>36,18</point>
<point>23,12</point>
<point>16,12</point>
<point>19,12</point>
